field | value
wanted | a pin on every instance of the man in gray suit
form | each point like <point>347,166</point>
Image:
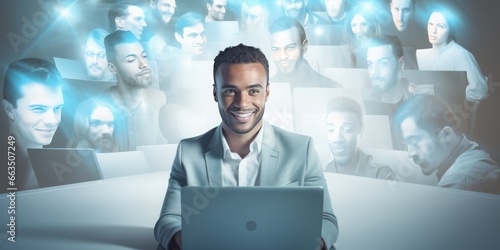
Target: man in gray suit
<point>244,150</point>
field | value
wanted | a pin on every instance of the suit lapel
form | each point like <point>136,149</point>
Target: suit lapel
<point>213,159</point>
<point>269,158</point>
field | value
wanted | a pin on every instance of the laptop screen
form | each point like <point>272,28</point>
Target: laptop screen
<point>59,166</point>
<point>251,217</point>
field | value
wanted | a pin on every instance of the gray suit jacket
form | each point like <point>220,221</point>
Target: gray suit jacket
<point>286,159</point>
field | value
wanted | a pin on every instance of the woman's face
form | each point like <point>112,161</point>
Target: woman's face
<point>359,27</point>
<point>438,29</point>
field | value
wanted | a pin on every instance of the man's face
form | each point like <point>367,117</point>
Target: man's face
<point>359,27</point>
<point>217,10</point>
<point>383,67</point>
<point>37,115</point>
<point>252,18</point>
<point>101,127</point>
<point>438,29</point>
<point>287,50</point>
<point>131,65</point>
<point>163,9</point>
<point>193,39</point>
<point>134,21</point>
<point>402,13</point>
<point>295,8</point>
<point>423,147</point>
<point>334,8</point>
<point>343,130</point>
<point>95,60</point>
<point>241,91</point>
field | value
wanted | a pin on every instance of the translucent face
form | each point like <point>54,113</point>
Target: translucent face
<point>295,8</point>
<point>343,131</point>
<point>164,9</point>
<point>383,67</point>
<point>95,60</point>
<point>132,66</point>
<point>241,91</point>
<point>134,21</point>
<point>402,13</point>
<point>252,18</point>
<point>359,27</point>
<point>101,127</point>
<point>334,8</point>
<point>287,50</point>
<point>217,10</point>
<point>438,29</point>
<point>423,147</point>
<point>194,39</point>
<point>37,116</point>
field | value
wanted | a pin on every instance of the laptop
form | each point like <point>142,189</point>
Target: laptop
<point>159,157</point>
<point>251,217</point>
<point>118,164</point>
<point>59,166</point>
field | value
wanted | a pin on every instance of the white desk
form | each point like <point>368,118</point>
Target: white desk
<point>120,213</point>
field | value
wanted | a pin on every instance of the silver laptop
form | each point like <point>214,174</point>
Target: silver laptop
<point>251,217</point>
<point>59,166</point>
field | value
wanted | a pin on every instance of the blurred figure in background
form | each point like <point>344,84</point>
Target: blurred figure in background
<point>93,127</point>
<point>96,63</point>
<point>361,24</point>
<point>344,124</point>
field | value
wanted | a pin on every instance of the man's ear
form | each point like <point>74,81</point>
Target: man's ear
<point>215,94</point>
<point>178,37</point>
<point>112,68</point>
<point>267,90</point>
<point>445,134</point>
<point>119,22</point>
<point>305,45</point>
<point>9,109</point>
<point>401,63</point>
<point>208,7</point>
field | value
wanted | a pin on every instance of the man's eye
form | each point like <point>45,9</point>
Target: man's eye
<point>254,91</point>
<point>229,92</point>
<point>39,110</point>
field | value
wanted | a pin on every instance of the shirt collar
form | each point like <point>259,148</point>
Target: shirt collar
<point>461,148</point>
<point>256,144</point>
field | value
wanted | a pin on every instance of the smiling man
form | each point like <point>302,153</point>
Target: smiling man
<point>344,124</point>
<point>288,46</point>
<point>190,33</point>
<point>244,150</point>
<point>216,10</point>
<point>134,104</point>
<point>32,100</point>
<point>127,15</point>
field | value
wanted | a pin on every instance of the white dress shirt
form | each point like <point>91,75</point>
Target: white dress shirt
<point>241,172</point>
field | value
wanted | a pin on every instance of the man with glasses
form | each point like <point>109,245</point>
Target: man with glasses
<point>96,63</point>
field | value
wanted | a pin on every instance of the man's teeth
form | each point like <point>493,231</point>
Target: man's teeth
<point>243,115</point>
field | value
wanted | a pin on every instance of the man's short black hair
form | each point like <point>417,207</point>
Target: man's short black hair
<point>345,104</point>
<point>241,54</point>
<point>117,37</point>
<point>283,23</point>
<point>25,71</point>
<point>120,9</point>
<point>428,112</point>
<point>393,41</point>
